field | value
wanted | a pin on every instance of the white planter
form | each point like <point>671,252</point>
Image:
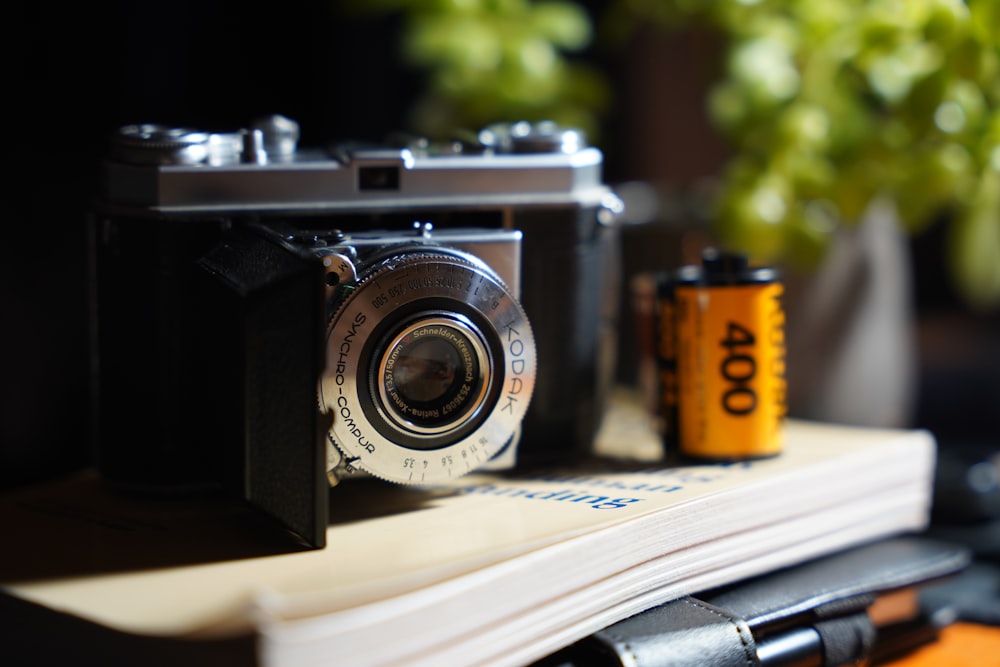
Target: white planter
<point>851,339</point>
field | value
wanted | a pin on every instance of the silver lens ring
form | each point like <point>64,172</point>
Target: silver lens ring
<point>361,333</point>
<point>434,375</point>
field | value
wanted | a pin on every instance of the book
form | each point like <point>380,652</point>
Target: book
<point>490,569</point>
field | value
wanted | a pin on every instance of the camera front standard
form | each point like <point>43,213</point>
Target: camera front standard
<point>430,359</point>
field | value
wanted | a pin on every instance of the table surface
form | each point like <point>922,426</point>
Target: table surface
<point>960,645</point>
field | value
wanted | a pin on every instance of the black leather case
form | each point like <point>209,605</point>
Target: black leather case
<point>816,613</point>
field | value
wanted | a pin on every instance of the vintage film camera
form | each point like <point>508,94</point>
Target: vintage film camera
<point>270,317</point>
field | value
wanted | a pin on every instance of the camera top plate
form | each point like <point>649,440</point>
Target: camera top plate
<point>172,170</point>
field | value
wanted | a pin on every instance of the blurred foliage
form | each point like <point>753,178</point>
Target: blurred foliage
<point>489,60</point>
<point>826,105</point>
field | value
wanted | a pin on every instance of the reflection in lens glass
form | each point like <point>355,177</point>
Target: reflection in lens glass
<point>426,370</point>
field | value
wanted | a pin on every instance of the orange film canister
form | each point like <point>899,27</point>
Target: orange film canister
<point>730,347</point>
<point>666,351</point>
<point>642,290</point>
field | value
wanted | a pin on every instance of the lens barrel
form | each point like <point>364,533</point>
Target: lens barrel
<point>434,375</point>
<point>431,365</point>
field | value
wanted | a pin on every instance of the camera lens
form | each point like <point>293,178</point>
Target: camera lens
<point>430,366</point>
<point>434,375</point>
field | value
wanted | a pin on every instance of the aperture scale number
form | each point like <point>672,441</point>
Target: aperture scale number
<point>469,457</point>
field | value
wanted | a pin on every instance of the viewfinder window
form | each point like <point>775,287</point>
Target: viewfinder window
<point>378,178</point>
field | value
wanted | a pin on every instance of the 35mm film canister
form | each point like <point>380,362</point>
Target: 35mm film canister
<point>654,305</point>
<point>646,311</point>
<point>730,346</point>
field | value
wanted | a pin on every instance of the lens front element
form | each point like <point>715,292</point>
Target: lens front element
<point>434,375</point>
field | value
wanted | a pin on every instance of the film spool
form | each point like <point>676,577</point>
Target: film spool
<point>730,359</point>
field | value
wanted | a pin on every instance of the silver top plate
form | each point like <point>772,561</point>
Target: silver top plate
<point>379,179</point>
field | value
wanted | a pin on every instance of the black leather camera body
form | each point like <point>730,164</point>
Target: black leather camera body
<point>271,319</point>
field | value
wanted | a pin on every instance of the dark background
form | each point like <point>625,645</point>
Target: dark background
<point>76,72</point>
